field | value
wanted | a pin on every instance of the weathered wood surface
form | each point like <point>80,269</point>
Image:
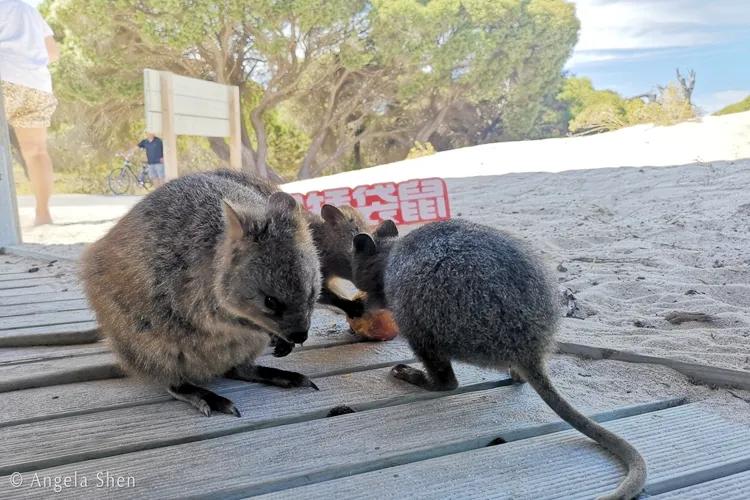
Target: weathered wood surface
<point>40,297</point>
<point>9,311</point>
<point>561,465</point>
<point>83,437</point>
<point>734,487</point>
<point>264,460</point>
<point>66,410</point>
<point>82,332</point>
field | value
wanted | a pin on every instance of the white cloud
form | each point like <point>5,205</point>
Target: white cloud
<point>615,29</point>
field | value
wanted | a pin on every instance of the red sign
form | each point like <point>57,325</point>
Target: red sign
<point>408,202</point>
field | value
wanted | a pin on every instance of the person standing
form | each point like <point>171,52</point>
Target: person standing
<point>154,157</point>
<point>27,47</point>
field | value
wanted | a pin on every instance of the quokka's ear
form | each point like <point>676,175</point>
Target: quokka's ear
<point>281,203</point>
<point>234,224</point>
<point>386,229</point>
<point>332,215</point>
<point>364,244</point>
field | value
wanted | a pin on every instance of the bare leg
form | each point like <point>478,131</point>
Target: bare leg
<point>270,376</point>
<point>33,144</point>
<point>203,399</point>
<point>439,376</point>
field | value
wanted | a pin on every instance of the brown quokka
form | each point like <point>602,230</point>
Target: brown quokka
<point>467,292</point>
<point>190,284</point>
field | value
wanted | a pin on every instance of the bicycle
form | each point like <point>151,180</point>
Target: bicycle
<point>120,179</point>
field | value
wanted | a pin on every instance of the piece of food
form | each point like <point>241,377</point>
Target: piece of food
<point>375,324</point>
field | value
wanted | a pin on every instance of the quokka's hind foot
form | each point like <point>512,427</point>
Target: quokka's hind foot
<point>440,378</point>
<point>516,376</point>
<point>204,400</point>
<point>270,376</point>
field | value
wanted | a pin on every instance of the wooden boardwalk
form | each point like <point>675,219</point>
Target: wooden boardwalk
<point>72,427</point>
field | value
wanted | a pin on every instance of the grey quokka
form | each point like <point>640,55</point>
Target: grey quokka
<point>332,233</point>
<point>466,292</point>
<point>190,284</point>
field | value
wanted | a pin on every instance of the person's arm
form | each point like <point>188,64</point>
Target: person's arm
<point>53,51</point>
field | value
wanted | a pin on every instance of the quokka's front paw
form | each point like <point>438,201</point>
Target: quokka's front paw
<point>281,347</point>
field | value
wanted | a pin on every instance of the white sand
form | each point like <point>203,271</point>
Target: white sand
<point>668,234</point>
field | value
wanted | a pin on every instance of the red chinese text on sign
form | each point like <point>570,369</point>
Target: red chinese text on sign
<point>408,202</point>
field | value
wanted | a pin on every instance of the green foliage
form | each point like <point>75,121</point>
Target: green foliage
<point>325,84</point>
<point>737,107</point>
<point>421,149</point>
<point>593,111</point>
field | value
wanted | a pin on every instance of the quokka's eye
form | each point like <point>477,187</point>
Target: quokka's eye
<point>272,303</point>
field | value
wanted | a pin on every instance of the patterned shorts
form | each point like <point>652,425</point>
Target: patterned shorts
<point>26,107</point>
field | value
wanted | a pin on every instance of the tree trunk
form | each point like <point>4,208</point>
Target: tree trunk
<point>261,155</point>
<point>429,128</point>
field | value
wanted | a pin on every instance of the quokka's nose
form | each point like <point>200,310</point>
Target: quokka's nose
<point>298,337</point>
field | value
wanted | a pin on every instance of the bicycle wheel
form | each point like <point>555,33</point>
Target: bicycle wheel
<point>146,182</point>
<point>120,180</point>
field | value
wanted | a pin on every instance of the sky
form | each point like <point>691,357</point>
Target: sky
<point>631,46</point>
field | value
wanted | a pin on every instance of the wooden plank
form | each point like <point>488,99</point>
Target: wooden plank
<point>27,283</point>
<point>167,126</point>
<point>25,405</point>
<point>82,332</point>
<point>192,125</point>
<point>57,371</point>
<point>43,307</point>
<point>55,442</point>
<point>46,319</point>
<point>338,359</point>
<point>18,355</point>
<point>28,292</point>
<point>197,106</point>
<point>266,460</point>
<point>34,404</point>
<point>235,128</point>
<point>41,298</point>
<point>734,487</point>
<point>10,228</point>
<point>702,374</point>
<point>184,85</point>
<point>676,443</point>
<point>25,275</point>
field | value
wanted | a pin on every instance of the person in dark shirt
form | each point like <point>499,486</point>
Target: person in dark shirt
<point>155,157</point>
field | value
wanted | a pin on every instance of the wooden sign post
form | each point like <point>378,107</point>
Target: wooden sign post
<point>10,229</point>
<point>178,105</point>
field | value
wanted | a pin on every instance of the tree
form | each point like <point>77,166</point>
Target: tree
<point>322,82</point>
<point>592,111</point>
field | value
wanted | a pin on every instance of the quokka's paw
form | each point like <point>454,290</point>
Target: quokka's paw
<point>204,400</point>
<point>299,380</point>
<point>409,374</point>
<point>282,348</point>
